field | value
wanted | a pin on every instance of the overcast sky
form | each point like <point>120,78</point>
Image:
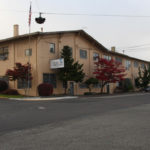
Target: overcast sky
<point>131,34</point>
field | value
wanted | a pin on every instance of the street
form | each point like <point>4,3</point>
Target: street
<point>118,122</point>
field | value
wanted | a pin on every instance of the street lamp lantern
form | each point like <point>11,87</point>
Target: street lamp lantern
<point>40,19</point>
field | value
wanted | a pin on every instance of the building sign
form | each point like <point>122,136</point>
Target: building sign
<point>57,63</point>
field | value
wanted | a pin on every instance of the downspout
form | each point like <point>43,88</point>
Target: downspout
<point>14,59</point>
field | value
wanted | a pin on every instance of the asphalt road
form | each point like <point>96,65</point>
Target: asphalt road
<point>92,123</point>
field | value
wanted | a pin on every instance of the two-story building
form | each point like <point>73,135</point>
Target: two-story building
<point>46,46</point>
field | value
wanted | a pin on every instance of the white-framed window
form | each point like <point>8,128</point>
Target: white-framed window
<point>95,56</point>
<point>28,52</point>
<point>136,64</point>
<point>142,65</point>
<point>127,64</point>
<point>52,47</point>
<point>118,59</point>
<point>83,54</point>
<point>3,53</point>
<point>107,57</point>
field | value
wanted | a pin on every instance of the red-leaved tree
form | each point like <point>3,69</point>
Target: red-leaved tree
<point>20,72</point>
<point>108,71</point>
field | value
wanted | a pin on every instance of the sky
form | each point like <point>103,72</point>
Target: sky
<point>130,35</point>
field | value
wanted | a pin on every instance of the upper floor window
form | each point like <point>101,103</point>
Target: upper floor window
<point>28,52</point>
<point>52,47</point>
<point>127,64</point>
<point>83,53</point>
<point>142,65</point>
<point>71,51</point>
<point>3,53</point>
<point>118,59</point>
<point>95,56</point>
<point>136,64</point>
<point>107,57</point>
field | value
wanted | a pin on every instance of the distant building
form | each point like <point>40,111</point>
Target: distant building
<point>46,46</point>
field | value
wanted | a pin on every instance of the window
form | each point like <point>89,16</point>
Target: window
<point>97,85</point>
<point>22,84</point>
<point>4,78</point>
<point>28,52</point>
<point>107,57</point>
<point>83,53</point>
<point>95,56</point>
<point>119,60</point>
<point>82,85</point>
<point>3,53</point>
<point>136,64</point>
<point>49,78</point>
<point>64,84</point>
<point>128,64</point>
<point>52,47</point>
<point>71,52</point>
<point>142,66</point>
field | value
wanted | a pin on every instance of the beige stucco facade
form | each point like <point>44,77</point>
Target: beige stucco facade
<point>41,56</point>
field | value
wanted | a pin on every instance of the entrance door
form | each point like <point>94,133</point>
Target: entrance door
<point>71,88</point>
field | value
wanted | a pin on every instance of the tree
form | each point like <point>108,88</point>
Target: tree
<point>91,82</point>
<point>20,72</point>
<point>108,71</point>
<point>72,71</point>
<point>143,78</point>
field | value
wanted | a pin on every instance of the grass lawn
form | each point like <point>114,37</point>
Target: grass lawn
<point>10,96</point>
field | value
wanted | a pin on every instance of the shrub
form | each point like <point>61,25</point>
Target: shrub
<point>3,86</point>
<point>45,89</point>
<point>10,92</point>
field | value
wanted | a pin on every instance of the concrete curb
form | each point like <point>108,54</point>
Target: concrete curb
<point>43,99</point>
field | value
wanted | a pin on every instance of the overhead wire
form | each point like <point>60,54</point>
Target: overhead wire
<point>79,14</point>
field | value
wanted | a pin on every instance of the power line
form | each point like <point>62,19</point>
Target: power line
<point>98,15</point>
<point>133,50</point>
<point>78,14</point>
<point>136,46</point>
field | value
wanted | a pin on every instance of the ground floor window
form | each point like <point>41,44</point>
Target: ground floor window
<point>4,78</point>
<point>97,85</point>
<point>82,86</point>
<point>50,78</point>
<point>64,84</point>
<point>22,84</point>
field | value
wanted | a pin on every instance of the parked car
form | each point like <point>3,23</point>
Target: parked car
<point>147,89</point>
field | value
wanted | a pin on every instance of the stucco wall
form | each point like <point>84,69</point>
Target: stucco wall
<point>41,56</point>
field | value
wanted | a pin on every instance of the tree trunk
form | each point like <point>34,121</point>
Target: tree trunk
<point>102,86</point>
<point>65,91</point>
<point>102,89</point>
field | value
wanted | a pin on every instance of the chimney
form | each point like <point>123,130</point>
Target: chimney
<point>16,30</point>
<point>113,49</point>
